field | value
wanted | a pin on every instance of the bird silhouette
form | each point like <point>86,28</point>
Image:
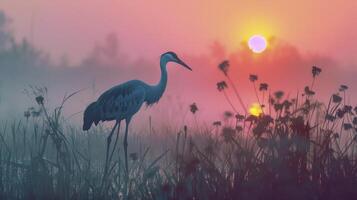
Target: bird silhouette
<point>121,102</point>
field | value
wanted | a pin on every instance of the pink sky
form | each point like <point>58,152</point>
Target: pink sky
<point>147,28</point>
<point>203,33</point>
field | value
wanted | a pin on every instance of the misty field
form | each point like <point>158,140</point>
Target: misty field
<point>291,148</point>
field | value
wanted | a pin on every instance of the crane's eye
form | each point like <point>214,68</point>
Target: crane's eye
<point>174,56</point>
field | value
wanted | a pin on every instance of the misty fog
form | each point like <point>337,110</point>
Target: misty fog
<point>23,65</point>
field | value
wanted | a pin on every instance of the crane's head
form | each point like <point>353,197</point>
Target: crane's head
<point>172,57</point>
<point>91,115</point>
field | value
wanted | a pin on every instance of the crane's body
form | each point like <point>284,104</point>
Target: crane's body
<point>121,102</point>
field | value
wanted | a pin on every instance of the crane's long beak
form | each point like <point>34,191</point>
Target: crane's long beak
<point>183,64</point>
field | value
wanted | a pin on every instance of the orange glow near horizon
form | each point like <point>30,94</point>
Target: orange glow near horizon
<point>257,26</point>
<point>255,110</point>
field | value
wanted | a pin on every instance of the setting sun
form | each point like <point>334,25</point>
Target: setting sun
<point>255,110</point>
<point>257,43</point>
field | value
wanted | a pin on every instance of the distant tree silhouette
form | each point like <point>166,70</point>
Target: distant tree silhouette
<point>6,37</point>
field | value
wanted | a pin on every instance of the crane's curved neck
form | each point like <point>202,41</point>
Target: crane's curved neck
<point>163,80</point>
<point>156,91</point>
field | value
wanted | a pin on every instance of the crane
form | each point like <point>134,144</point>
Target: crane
<point>123,101</point>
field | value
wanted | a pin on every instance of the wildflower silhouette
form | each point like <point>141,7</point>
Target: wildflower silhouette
<point>253,77</point>
<point>330,117</point>
<point>340,113</point>
<point>343,88</point>
<point>221,86</point>
<point>309,92</point>
<point>347,109</point>
<point>224,67</point>
<point>227,114</point>
<point>193,108</point>
<point>263,87</point>
<point>27,114</point>
<point>279,94</point>
<point>39,100</point>
<point>315,72</point>
<point>336,98</point>
<point>239,117</point>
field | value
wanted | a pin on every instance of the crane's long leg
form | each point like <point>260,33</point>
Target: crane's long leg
<point>109,140</point>
<point>126,145</point>
<point>115,143</point>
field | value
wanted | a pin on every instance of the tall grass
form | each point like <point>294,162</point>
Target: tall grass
<point>298,148</point>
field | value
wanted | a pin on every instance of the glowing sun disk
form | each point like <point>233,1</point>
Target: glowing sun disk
<point>257,43</point>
